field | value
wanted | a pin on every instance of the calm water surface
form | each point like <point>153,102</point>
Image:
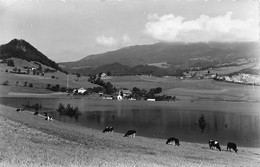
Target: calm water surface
<point>236,122</point>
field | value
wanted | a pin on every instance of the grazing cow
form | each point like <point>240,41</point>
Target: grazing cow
<point>108,129</point>
<point>130,133</point>
<point>20,109</point>
<point>35,113</point>
<point>49,118</point>
<point>232,146</point>
<point>213,143</point>
<point>171,140</point>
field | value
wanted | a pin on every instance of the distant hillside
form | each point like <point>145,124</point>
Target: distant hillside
<point>176,55</point>
<point>24,50</point>
<point>118,69</point>
<point>252,71</point>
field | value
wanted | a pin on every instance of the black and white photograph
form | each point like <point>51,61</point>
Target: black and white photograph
<point>129,83</point>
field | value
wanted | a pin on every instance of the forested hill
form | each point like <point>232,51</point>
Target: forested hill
<point>24,50</point>
<point>184,55</point>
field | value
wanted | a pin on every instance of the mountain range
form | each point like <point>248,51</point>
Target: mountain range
<point>166,58</point>
<point>158,59</point>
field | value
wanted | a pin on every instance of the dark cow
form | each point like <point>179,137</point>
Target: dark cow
<point>171,140</point>
<point>130,133</point>
<point>20,109</point>
<point>213,143</point>
<point>108,129</point>
<point>232,146</point>
<point>35,113</point>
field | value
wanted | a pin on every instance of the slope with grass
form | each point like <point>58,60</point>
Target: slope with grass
<point>29,140</point>
<point>17,82</point>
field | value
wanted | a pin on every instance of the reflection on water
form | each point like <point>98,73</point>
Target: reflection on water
<point>160,120</point>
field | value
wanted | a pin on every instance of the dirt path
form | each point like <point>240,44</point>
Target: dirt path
<point>29,140</point>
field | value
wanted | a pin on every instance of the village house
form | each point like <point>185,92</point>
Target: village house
<point>33,68</point>
<point>119,97</point>
<point>108,97</point>
<point>103,75</point>
<point>124,92</point>
<point>80,90</point>
<point>23,72</point>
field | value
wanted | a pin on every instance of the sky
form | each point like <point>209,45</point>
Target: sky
<point>69,30</point>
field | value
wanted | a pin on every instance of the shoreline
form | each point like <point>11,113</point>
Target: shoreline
<point>106,149</point>
<point>184,98</point>
<point>238,106</point>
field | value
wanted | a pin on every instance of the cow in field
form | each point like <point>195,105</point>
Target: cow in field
<point>172,141</point>
<point>20,109</point>
<point>49,118</point>
<point>213,143</point>
<point>232,146</point>
<point>35,113</point>
<point>130,133</point>
<point>108,129</point>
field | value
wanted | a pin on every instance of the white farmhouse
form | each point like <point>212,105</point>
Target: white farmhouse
<point>103,75</point>
<point>124,92</point>
<point>119,97</point>
<point>81,90</point>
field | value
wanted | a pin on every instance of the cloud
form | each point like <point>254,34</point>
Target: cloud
<point>170,28</point>
<point>106,41</point>
<point>125,39</point>
<point>113,42</point>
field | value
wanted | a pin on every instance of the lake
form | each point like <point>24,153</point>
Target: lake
<point>237,122</point>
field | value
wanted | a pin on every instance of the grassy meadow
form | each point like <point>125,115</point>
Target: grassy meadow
<point>29,140</point>
<point>39,82</point>
<point>191,89</point>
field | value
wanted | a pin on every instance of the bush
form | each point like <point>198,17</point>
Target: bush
<point>5,83</point>
<point>10,63</point>
<point>69,111</point>
<point>36,106</point>
<point>63,89</point>
<point>55,88</point>
<point>31,85</point>
<point>48,86</point>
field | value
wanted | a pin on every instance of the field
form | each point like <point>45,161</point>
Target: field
<point>183,89</point>
<point>228,70</point>
<point>39,82</point>
<point>28,140</point>
<point>192,89</point>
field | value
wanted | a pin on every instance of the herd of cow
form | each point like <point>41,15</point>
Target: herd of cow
<point>47,117</point>
<point>175,141</point>
<point>171,140</point>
